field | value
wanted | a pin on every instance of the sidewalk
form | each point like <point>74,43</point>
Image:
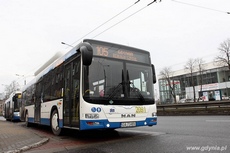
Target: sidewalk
<point>15,138</point>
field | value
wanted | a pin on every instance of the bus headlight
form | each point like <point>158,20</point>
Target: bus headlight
<point>92,116</point>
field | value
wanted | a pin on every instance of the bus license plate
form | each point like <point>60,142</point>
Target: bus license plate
<point>128,124</point>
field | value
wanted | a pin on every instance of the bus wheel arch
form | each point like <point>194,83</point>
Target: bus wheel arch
<point>54,121</point>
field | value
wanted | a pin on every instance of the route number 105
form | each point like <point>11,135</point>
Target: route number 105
<point>102,51</point>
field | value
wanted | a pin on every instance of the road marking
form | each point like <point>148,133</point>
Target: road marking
<point>223,121</point>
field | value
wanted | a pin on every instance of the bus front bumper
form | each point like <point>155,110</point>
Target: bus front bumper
<point>105,124</point>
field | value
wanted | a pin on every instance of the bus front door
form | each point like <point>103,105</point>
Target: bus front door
<point>37,111</point>
<point>38,101</point>
<point>71,93</point>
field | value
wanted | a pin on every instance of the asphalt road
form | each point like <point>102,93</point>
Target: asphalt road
<point>173,134</point>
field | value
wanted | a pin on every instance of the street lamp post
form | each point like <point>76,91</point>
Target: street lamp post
<point>66,44</point>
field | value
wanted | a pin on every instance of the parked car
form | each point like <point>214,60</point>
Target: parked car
<point>184,100</point>
<point>225,97</point>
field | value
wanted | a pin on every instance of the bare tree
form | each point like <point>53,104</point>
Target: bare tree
<point>190,66</point>
<point>14,86</point>
<point>200,65</point>
<point>223,58</point>
<point>167,75</point>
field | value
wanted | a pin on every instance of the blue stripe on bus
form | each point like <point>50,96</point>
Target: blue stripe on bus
<point>98,124</point>
<point>16,118</point>
<point>45,121</point>
<point>30,119</point>
<point>105,124</point>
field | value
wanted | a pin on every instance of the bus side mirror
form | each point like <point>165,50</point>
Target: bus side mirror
<point>154,74</point>
<point>87,53</point>
<point>14,98</point>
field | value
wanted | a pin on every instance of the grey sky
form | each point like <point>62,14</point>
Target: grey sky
<point>31,31</point>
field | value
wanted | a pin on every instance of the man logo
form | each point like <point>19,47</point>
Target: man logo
<point>128,115</point>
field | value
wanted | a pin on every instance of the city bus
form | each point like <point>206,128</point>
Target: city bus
<point>96,85</point>
<point>12,107</point>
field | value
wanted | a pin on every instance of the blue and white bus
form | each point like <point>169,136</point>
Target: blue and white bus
<point>96,85</point>
<point>12,107</point>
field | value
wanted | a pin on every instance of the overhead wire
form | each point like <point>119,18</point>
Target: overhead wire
<point>101,24</point>
<point>125,18</point>
<point>201,7</point>
<point>154,1</point>
<point>106,22</point>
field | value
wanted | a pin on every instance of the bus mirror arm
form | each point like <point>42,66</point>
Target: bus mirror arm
<point>13,98</point>
<point>87,53</point>
<point>154,74</point>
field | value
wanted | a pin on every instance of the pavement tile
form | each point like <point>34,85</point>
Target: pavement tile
<point>15,138</point>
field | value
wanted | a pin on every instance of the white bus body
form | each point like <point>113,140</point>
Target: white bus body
<point>12,107</point>
<point>97,85</point>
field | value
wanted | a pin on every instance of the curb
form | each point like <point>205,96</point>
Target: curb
<point>25,148</point>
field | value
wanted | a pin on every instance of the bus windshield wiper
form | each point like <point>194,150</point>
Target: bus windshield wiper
<point>138,93</point>
<point>114,92</point>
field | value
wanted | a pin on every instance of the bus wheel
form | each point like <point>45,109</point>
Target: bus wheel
<point>55,123</point>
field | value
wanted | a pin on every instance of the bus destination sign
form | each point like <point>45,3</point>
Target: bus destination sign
<point>120,53</point>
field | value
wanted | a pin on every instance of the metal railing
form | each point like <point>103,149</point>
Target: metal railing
<point>202,108</point>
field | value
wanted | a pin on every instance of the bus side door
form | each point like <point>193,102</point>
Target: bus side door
<point>71,93</point>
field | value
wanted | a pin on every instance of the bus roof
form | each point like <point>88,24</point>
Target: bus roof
<point>50,61</point>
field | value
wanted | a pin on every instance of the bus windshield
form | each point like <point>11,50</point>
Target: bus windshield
<point>17,102</point>
<point>117,82</point>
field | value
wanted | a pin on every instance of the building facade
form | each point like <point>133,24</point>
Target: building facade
<point>212,83</point>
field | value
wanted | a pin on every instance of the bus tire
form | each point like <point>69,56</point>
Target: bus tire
<point>55,123</point>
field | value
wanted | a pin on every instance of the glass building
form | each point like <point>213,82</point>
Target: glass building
<point>213,83</point>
